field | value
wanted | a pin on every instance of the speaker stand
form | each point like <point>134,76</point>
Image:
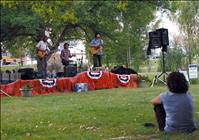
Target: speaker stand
<point>164,74</point>
<point>80,62</point>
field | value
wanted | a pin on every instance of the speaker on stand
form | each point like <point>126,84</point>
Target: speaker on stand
<point>158,39</point>
<point>164,38</point>
<point>154,40</point>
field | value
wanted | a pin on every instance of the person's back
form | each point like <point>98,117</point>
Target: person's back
<point>179,111</point>
<point>177,104</point>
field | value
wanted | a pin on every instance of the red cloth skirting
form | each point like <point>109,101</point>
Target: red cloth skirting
<point>123,80</point>
<point>95,80</point>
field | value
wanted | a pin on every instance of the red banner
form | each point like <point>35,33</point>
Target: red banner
<point>95,80</point>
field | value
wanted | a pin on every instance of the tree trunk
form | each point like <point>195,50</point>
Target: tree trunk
<point>189,45</point>
<point>61,37</point>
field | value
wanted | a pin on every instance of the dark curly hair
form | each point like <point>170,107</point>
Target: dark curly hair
<point>96,34</point>
<point>177,83</point>
<point>66,44</point>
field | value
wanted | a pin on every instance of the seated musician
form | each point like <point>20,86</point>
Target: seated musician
<point>97,45</point>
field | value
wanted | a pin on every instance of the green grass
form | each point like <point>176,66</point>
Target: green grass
<point>16,67</point>
<point>100,114</point>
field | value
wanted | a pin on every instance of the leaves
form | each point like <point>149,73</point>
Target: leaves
<point>70,17</point>
<point>189,23</point>
<point>120,23</point>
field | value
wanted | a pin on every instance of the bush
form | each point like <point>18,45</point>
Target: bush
<point>143,77</point>
<point>174,59</point>
<point>27,86</point>
<point>194,81</point>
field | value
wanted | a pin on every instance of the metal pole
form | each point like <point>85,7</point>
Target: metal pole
<point>163,67</point>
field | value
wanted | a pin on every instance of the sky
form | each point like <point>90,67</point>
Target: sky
<point>167,23</point>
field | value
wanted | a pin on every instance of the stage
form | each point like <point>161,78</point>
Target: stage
<point>95,80</point>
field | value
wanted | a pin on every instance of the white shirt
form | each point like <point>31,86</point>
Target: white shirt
<point>43,45</point>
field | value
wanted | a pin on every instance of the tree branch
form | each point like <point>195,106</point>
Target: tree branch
<point>60,39</point>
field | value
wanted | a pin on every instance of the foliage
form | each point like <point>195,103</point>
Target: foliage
<point>146,78</point>
<point>100,114</point>
<point>194,81</point>
<point>122,25</point>
<point>143,79</point>
<point>174,59</point>
<point>80,19</point>
<point>188,19</point>
<point>27,86</point>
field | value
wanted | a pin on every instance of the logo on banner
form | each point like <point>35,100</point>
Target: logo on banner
<point>124,78</point>
<point>94,75</point>
<point>48,82</point>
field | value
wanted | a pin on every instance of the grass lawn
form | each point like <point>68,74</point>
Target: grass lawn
<point>110,114</point>
<point>16,67</point>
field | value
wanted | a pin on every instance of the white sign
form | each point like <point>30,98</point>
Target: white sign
<point>193,71</point>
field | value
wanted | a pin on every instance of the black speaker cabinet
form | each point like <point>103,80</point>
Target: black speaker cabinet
<point>70,71</point>
<point>27,73</point>
<point>164,36</point>
<point>154,40</point>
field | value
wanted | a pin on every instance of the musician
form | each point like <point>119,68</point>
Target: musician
<point>65,55</point>
<point>97,57</point>
<point>42,52</point>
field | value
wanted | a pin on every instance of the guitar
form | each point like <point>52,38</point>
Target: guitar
<point>41,53</point>
<point>94,49</point>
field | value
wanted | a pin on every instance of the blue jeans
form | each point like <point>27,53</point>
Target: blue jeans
<point>41,67</point>
<point>160,116</point>
<point>97,60</point>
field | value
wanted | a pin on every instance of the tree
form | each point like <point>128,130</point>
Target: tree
<point>121,23</point>
<point>188,19</point>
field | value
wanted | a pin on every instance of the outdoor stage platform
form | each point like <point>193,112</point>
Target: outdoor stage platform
<point>95,80</point>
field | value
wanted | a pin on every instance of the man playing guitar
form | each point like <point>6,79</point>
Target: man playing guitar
<point>96,46</point>
<point>42,51</point>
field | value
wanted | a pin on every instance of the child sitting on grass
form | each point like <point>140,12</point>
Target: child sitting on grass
<point>174,108</point>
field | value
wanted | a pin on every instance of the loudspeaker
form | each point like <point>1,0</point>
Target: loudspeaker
<point>163,36</point>
<point>70,71</point>
<point>154,40</point>
<point>27,73</point>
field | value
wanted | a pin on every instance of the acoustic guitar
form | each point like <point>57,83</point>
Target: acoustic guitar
<point>41,53</point>
<point>94,49</point>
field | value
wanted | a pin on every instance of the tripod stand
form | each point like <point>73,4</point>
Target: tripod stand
<point>164,74</point>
